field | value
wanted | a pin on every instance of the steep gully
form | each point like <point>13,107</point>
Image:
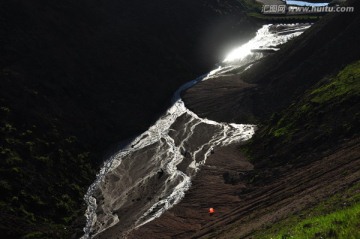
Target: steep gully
<point>153,172</point>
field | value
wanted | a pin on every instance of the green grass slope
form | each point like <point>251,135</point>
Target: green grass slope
<point>337,217</point>
<point>315,108</point>
<point>320,119</point>
<point>312,128</point>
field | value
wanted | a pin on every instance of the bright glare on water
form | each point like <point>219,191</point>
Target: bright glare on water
<point>266,37</point>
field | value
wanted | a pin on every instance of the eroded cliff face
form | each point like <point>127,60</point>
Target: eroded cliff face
<point>79,76</point>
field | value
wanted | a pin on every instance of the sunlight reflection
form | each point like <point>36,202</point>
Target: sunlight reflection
<point>269,36</point>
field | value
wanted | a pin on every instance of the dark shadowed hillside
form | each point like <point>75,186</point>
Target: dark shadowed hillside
<point>80,76</point>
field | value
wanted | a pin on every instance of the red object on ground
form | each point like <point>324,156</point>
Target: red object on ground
<point>211,210</point>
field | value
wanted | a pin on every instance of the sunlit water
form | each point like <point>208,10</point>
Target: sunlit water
<point>269,36</point>
<point>153,172</point>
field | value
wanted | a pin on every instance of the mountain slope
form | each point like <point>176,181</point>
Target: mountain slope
<point>305,99</point>
<point>78,77</point>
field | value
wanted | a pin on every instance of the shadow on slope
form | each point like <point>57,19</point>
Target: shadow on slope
<point>78,76</point>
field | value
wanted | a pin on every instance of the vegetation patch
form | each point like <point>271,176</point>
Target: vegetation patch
<point>325,114</point>
<point>38,162</point>
<point>337,217</point>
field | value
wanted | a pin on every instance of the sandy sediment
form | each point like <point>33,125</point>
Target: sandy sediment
<point>225,181</point>
<point>242,208</point>
<point>222,98</point>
